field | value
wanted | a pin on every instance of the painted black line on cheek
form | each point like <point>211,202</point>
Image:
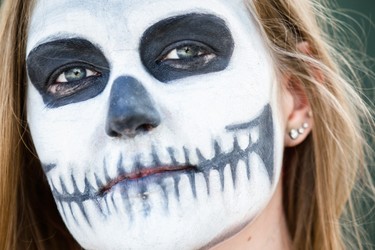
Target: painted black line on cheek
<point>265,145</point>
<point>47,61</point>
<point>207,29</point>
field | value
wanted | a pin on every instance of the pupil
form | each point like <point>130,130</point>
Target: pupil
<point>75,74</point>
<point>188,52</point>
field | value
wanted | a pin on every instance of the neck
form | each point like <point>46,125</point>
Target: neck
<point>268,231</point>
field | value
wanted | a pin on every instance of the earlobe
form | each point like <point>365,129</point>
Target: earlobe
<point>298,128</point>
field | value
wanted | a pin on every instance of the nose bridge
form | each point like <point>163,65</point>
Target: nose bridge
<point>131,109</point>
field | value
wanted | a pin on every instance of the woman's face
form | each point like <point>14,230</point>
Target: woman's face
<point>156,121</point>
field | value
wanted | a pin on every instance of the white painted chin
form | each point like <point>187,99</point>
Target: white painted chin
<point>189,222</point>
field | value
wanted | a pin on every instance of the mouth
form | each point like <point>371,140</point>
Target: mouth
<point>161,171</point>
<point>142,177</point>
<point>133,187</point>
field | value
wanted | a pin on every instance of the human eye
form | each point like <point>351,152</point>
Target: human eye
<point>187,55</point>
<point>72,79</point>
<point>67,71</point>
<point>75,74</point>
<point>186,45</point>
<point>188,51</point>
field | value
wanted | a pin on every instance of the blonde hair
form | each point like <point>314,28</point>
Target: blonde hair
<point>28,215</point>
<point>320,173</point>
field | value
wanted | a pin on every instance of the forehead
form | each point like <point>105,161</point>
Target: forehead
<point>128,19</point>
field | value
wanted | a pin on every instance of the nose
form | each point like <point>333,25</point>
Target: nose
<point>131,109</point>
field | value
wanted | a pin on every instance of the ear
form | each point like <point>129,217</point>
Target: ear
<point>299,118</point>
<point>299,121</point>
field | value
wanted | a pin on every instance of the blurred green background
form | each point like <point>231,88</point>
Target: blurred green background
<point>361,19</point>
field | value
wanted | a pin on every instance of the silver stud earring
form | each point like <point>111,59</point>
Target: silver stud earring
<point>294,133</point>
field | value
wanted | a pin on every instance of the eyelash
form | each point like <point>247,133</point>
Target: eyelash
<point>201,52</point>
<point>62,78</point>
<point>61,86</point>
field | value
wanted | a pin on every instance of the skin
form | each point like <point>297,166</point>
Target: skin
<point>142,157</point>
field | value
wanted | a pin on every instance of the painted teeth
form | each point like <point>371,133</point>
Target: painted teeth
<point>110,171</point>
<point>191,156</point>
<point>80,182</point>
<point>55,183</point>
<point>179,155</point>
<point>241,173</point>
<point>207,151</point>
<point>92,180</point>
<point>226,142</point>
<point>67,185</point>
<point>100,178</point>
<point>186,192</point>
<point>146,159</point>
<point>243,139</point>
<point>201,188</point>
<point>226,166</point>
<point>254,133</point>
<point>163,156</point>
<point>228,180</point>
<point>244,165</point>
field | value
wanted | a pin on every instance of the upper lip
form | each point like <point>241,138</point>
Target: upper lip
<point>142,173</point>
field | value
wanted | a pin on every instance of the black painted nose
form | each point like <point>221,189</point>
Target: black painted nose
<point>131,109</point>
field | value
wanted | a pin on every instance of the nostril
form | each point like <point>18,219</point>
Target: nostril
<point>145,127</point>
<point>111,130</point>
<point>131,109</point>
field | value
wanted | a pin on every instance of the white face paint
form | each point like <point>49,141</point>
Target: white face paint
<point>155,121</point>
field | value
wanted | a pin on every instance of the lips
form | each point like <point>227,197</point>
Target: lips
<point>143,173</point>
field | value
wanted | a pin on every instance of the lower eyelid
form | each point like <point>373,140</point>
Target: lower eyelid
<point>186,66</point>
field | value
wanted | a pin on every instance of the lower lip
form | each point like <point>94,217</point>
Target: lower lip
<point>144,178</point>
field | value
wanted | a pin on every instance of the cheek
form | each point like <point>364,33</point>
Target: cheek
<point>65,133</point>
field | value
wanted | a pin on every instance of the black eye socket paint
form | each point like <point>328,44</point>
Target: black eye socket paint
<point>50,60</point>
<point>206,39</point>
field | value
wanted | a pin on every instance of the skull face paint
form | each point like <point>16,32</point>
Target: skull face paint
<point>157,130</point>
